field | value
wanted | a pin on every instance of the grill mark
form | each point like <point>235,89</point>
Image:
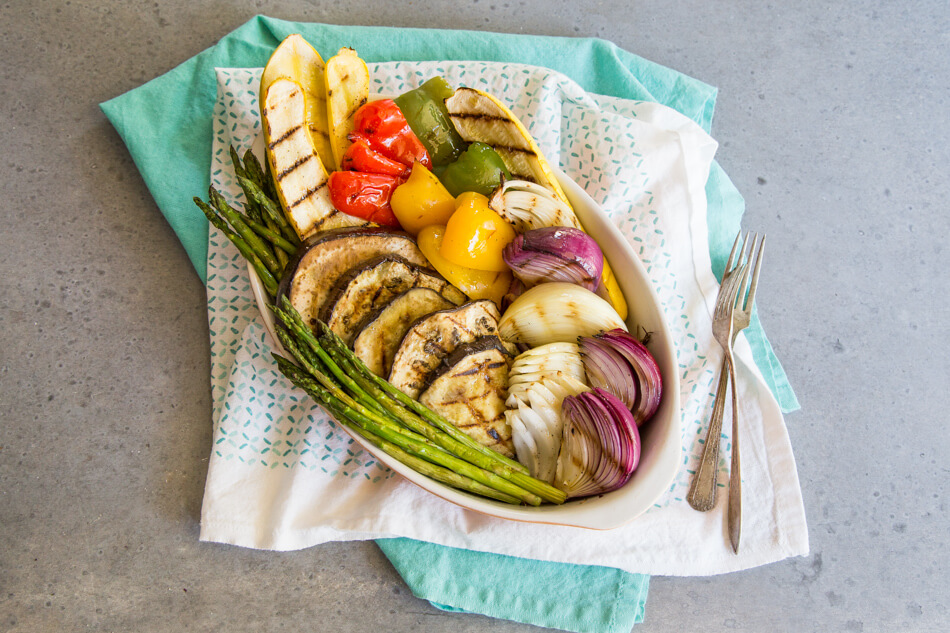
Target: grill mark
<point>479,116</point>
<point>300,161</point>
<point>310,192</point>
<point>315,130</point>
<point>353,110</point>
<point>514,150</point>
<point>283,137</point>
<point>317,225</point>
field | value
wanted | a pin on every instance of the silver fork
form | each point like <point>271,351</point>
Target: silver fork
<point>703,496</point>
<point>702,492</point>
<point>740,321</point>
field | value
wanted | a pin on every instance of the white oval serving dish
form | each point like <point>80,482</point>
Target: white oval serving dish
<point>660,437</point>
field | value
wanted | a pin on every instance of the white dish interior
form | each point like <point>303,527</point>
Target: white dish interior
<point>660,437</point>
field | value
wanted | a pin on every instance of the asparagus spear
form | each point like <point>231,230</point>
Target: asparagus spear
<point>419,465</point>
<point>252,208</point>
<point>438,473</point>
<point>464,450</point>
<point>253,240</point>
<point>271,235</point>
<point>270,283</point>
<point>405,440</point>
<point>270,208</point>
<point>343,364</point>
<point>313,362</point>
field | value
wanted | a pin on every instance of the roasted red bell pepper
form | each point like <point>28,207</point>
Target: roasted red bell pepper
<point>360,156</point>
<point>364,195</point>
<point>386,131</point>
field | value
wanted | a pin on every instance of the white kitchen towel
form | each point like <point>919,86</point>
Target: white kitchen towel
<point>284,476</point>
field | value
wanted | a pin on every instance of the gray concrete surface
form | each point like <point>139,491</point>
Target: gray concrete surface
<point>834,122</point>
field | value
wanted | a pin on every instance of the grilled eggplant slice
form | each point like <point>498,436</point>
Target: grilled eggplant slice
<point>379,338</point>
<point>328,255</point>
<point>371,285</point>
<point>433,337</point>
<point>470,391</point>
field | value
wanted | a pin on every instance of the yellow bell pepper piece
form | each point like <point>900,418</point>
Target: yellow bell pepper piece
<point>477,284</point>
<point>421,201</point>
<point>475,235</point>
<point>613,290</point>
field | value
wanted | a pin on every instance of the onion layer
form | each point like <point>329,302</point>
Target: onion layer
<point>556,253</point>
<point>557,312</point>
<point>600,445</point>
<point>617,362</point>
<point>538,382</point>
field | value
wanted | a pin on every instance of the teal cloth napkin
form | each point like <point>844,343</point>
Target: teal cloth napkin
<point>166,125</point>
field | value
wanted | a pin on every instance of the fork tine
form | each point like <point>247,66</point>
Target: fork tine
<point>755,273</point>
<point>730,291</point>
<point>747,249</point>
<point>742,278</point>
<point>732,254</point>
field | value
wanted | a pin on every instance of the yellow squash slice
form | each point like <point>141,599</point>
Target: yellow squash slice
<point>298,171</point>
<point>479,116</point>
<point>347,89</point>
<point>296,60</point>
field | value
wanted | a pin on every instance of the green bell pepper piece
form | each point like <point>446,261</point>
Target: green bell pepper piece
<point>479,169</point>
<point>424,109</point>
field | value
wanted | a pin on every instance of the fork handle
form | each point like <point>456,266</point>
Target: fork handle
<point>734,513</point>
<point>702,492</point>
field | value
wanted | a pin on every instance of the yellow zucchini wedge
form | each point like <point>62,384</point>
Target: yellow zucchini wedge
<point>347,89</point>
<point>296,60</point>
<point>479,116</point>
<point>298,171</point>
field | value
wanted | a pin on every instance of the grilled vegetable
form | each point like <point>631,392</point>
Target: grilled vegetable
<point>371,285</point>
<point>620,364</point>
<point>479,169</point>
<point>378,340</point>
<point>557,312</point>
<point>326,256</point>
<point>555,253</point>
<point>422,201</point>
<point>347,90</point>
<point>295,59</point>
<point>364,195</point>
<point>299,175</point>
<point>529,206</point>
<point>386,131</point>
<point>554,361</point>
<point>359,156</point>
<point>475,235</point>
<point>538,382</point>
<point>470,392</point>
<point>601,445</point>
<point>424,109</point>
<point>478,116</point>
<point>434,337</point>
<point>477,284</point>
